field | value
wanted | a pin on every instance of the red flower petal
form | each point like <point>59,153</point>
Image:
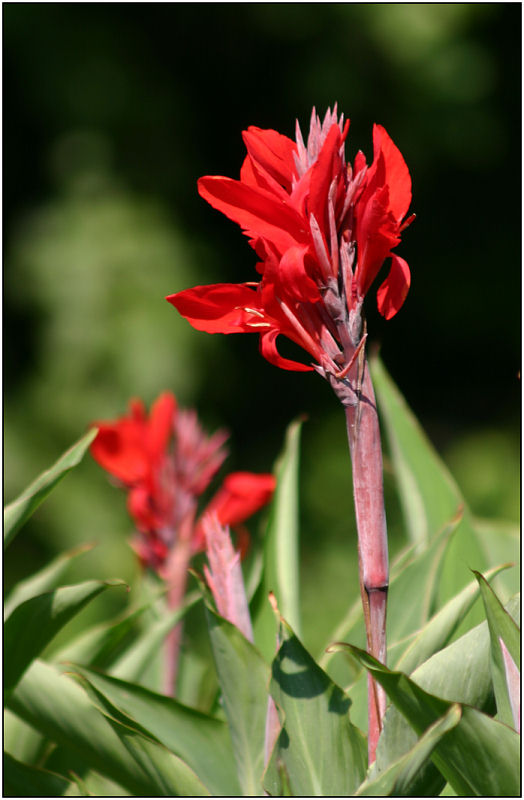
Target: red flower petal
<point>119,449</point>
<point>269,351</point>
<point>220,308</point>
<point>273,151</point>
<point>392,293</point>
<point>161,420</point>
<point>294,278</point>
<point>322,174</point>
<point>376,235</point>
<point>256,210</point>
<point>397,177</point>
<point>240,496</point>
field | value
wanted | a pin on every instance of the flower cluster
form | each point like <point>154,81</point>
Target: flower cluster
<point>166,462</point>
<point>322,229</point>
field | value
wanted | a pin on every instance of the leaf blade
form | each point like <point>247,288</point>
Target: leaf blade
<point>35,622</point>
<point>19,510</point>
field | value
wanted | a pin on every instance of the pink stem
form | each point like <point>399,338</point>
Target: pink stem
<point>177,581</point>
<point>366,456</point>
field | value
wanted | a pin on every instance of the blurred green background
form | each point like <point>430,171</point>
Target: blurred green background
<point>113,111</point>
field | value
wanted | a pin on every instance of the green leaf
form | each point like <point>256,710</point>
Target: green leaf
<point>132,664</point>
<point>281,557</point>
<point>33,624</point>
<point>44,580</point>
<point>19,511</point>
<point>429,496</point>
<point>202,741</point>
<point>399,778</point>
<point>22,780</point>
<point>460,672</point>
<point>243,676</point>
<point>124,648</point>
<point>58,708</point>
<point>501,626</point>
<point>167,774</point>
<point>323,753</point>
<point>479,757</point>
<point>437,633</point>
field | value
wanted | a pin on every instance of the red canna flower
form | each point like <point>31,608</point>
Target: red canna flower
<point>322,229</point>
<point>166,462</point>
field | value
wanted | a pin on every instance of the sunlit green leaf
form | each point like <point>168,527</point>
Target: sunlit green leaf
<point>19,511</point>
<point>437,633</point>
<point>398,779</point>
<point>36,621</point>
<point>281,557</point>
<point>429,496</point>
<point>202,741</point>
<point>57,707</point>
<point>460,672</point>
<point>167,774</point>
<point>125,647</point>
<point>322,752</point>
<point>479,757</point>
<point>501,626</point>
<point>243,676</point>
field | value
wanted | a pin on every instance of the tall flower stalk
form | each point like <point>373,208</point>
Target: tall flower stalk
<point>322,229</point>
<point>166,462</point>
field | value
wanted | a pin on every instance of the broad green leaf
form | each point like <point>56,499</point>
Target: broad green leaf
<point>410,652</point>
<point>398,779</point>
<point>42,581</point>
<point>323,753</point>
<point>202,741</point>
<point>281,557</point>
<point>19,511</point>
<point>501,626</point>
<point>21,740</point>
<point>36,621</point>
<point>479,757</point>
<point>22,780</point>
<point>243,676</point>
<point>463,554</point>
<point>429,496</point>
<point>169,775</point>
<point>500,540</point>
<point>58,708</point>
<point>437,633</point>
<point>458,673</point>
<point>126,647</point>
<point>88,783</point>
<point>134,661</point>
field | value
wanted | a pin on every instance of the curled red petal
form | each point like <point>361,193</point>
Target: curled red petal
<point>256,210</point>
<point>273,151</point>
<point>393,291</point>
<point>269,351</point>
<point>377,234</point>
<point>220,308</point>
<point>294,278</point>
<point>396,173</point>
